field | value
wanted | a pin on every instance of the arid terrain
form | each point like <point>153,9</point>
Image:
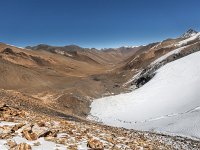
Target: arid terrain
<point>59,80</point>
<point>46,91</point>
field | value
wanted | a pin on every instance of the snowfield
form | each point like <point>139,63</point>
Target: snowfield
<point>168,103</point>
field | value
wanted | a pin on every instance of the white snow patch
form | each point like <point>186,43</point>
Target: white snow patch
<point>5,123</point>
<point>15,46</point>
<point>167,103</point>
<point>133,78</point>
<point>82,145</point>
<point>2,145</point>
<point>176,51</point>
<point>44,144</point>
<point>184,42</point>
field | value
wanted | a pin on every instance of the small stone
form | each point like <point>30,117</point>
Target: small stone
<point>37,144</point>
<point>2,105</point>
<point>49,134</point>
<point>11,143</point>
<point>5,129</point>
<point>17,126</point>
<point>52,139</point>
<point>95,144</point>
<point>23,146</point>
<point>39,130</point>
<point>110,140</point>
<point>60,141</point>
<point>29,135</point>
<point>41,124</point>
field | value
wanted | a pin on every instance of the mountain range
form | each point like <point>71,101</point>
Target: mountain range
<point>129,87</point>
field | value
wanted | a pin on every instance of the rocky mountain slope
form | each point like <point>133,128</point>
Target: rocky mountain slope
<point>189,33</point>
<point>104,56</point>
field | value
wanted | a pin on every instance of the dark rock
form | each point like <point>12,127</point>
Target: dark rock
<point>8,51</point>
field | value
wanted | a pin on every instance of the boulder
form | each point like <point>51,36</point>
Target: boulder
<point>49,133</point>
<point>95,144</point>
<point>17,126</point>
<point>44,131</point>
<point>11,143</point>
<point>23,146</point>
<point>29,135</point>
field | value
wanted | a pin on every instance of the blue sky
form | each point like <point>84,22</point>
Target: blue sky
<point>95,23</point>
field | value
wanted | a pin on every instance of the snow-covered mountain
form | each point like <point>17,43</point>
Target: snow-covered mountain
<point>167,102</point>
<point>189,33</point>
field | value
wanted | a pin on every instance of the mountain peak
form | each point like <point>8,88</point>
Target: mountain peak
<point>189,33</point>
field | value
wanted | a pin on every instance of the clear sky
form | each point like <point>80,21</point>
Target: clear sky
<point>95,23</point>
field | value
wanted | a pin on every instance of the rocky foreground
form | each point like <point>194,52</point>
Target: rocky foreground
<point>22,130</point>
